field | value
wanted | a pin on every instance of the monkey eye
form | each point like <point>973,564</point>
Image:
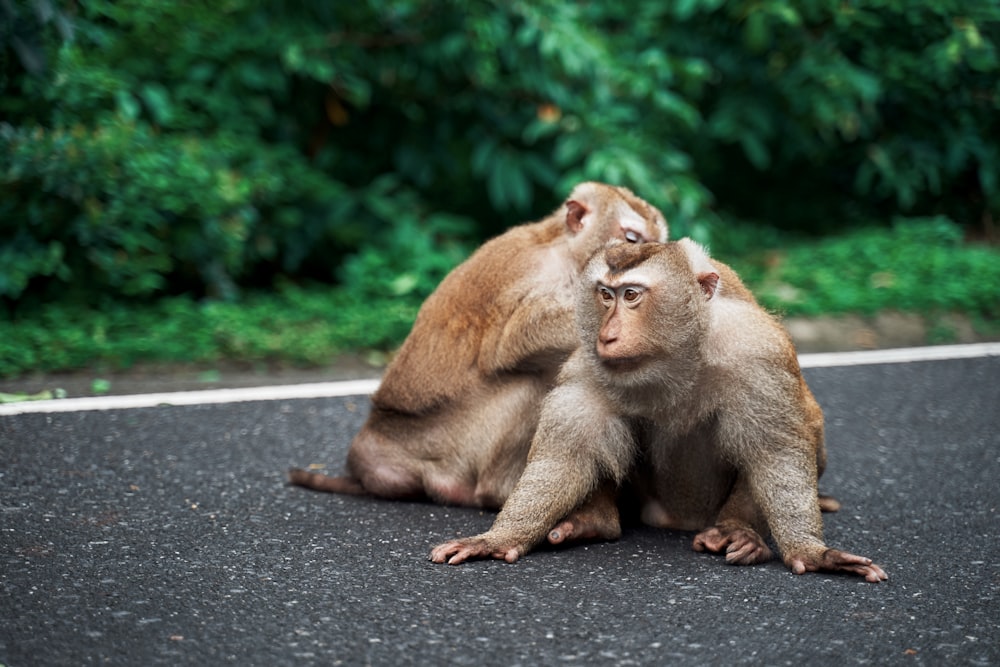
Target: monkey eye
<point>631,294</point>
<point>607,296</point>
<point>631,236</point>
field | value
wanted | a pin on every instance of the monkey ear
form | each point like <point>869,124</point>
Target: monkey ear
<point>702,267</point>
<point>574,215</point>
<point>709,283</point>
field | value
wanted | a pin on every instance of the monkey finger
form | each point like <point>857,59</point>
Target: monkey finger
<point>586,526</point>
<point>557,535</point>
<point>834,560</point>
<point>459,557</point>
<point>564,530</point>
<point>510,555</point>
<point>449,551</point>
<point>736,554</point>
<point>871,573</point>
<point>865,568</point>
<point>438,554</point>
<point>466,553</point>
<point>828,504</point>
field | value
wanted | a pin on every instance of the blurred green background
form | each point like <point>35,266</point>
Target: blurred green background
<point>284,181</point>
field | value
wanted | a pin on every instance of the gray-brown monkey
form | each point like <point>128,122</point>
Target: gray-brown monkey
<point>456,410</point>
<point>682,371</point>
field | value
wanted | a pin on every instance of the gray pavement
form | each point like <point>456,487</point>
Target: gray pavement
<point>168,536</point>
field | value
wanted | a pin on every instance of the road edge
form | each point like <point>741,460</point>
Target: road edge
<point>367,387</point>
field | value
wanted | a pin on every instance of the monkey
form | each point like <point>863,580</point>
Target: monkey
<point>686,388</point>
<point>455,412</point>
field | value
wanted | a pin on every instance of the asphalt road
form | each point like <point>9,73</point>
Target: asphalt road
<point>167,535</point>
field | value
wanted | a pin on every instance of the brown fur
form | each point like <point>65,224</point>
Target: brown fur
<point>682,370</point>
<point>455,413</point>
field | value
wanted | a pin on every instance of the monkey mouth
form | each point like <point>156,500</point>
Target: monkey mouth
<point>621,364</point>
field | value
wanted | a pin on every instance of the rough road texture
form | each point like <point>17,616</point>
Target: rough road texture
<point>168,536</point>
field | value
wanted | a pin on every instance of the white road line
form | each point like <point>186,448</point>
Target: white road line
<point>365,387</point>
<point>201,397</point>
<point>899,355</point>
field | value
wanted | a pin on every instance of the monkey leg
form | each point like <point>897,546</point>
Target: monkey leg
<point>383,467</point>
<point>596,519</point>
<point>734,532</point>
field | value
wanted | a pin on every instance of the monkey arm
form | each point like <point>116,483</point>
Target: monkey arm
<point>577,446</point>
<point>547,491</point>
<point>784,486</point>
<point>534,318</point>
<point>538,332</point>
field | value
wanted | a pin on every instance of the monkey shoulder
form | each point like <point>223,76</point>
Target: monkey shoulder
<point>498,272</point>
<point>741,327</point>
<point>750,342</point>
<point>465,315</point>
<point>530,323</point>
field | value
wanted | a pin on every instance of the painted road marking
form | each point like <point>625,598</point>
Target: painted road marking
<point>367,387</point>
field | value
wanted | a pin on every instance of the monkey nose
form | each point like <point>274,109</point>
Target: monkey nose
<point>606,347</point>
<point>607,335</point>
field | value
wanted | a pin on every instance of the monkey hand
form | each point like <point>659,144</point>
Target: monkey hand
<point>834,560</point>
<point>742,544</point>
<point>486,545</point>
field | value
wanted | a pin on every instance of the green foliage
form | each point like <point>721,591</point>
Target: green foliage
<point>919,265</point>
<point>181,209</point>
<point>827,110</point>
<point>182,146</point>
<point>163,149</point>
<point>293,325</point>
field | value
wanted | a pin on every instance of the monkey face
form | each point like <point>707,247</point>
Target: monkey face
<point>642,303</point>
<point>619,341</point>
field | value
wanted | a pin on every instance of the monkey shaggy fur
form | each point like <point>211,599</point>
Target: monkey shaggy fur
<point>680,370</point>
<point>455,413</point>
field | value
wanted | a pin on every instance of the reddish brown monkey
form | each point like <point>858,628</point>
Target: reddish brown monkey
<point>455,413</point>
<point>682,370</point>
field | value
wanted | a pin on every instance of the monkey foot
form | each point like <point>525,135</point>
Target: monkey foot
<point>461,550</point>
<point>743,546</point>
<point>834,560</point>
<point>586,526</point>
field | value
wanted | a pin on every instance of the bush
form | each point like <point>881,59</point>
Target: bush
<point>833,111</point>
<point>176,147</point>
<point>304,326</point>
<point>157,149</point>
<point>919,265</point>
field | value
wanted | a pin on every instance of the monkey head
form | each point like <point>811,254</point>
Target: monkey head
<point>643,303</point>
<point>595,213</point>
